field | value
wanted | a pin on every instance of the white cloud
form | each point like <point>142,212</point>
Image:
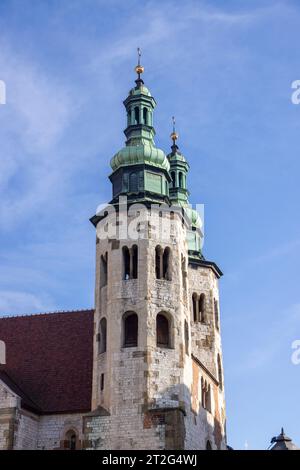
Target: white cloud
<point>38,107</point>
<point>18,302</point>
<point>275,339</point>
<point>32,123</point>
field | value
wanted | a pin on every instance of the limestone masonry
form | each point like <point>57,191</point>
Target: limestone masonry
<point>143,370</point>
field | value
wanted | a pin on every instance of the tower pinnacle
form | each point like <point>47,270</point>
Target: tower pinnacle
<point>140,169</point>
<point>139,68</point>
<point>174,136</point>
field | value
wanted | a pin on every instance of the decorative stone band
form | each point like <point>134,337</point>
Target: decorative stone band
<point>202,366</point>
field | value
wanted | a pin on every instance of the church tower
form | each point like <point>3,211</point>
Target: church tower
<point>157,373</point>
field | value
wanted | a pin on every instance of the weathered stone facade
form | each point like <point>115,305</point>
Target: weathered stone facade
<point>22,429</point>
<point>152,376</point>
<point>151,397</point>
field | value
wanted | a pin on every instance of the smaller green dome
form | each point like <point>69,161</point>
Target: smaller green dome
<point>141,90</point>
<point>177,156</point>
<point>135,154</point>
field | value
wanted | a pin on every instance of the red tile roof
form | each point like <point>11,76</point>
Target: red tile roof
<point>49,359</point>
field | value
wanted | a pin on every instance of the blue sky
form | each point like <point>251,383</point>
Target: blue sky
<point>225,69</point>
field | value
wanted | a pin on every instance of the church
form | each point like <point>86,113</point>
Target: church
<point>143,369</point>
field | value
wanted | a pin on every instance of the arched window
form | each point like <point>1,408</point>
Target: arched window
<point>103,335</point>
<point>70,440</point>
<point>130,262</point>
<point>205,395</point>
<point>145,116</point>
<point>162,331</point>
<point>134,255</point>
<point>158,259</point>
<point>163,263</point>
<point>220,379</point>
<point>203,392</point>
<point>180,180</point>
<point>195,306</point>
<point>208,399</point>
<point>136,115</point>
<point>103,270</point>
<point>216,310</point>
<point>126,263</point>
<point>186,337</point>
<point>166,264</point>
<point>208,445</point>
<point>173,176</point>
<point>102,382</point>
<point>202,316</point>
<point>130,326</point>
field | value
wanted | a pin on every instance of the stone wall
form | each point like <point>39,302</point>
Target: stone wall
<point>22,429</point>
<point>148,395</point>
<point>53,428</point>
<point>26,430</point>
<point>8,406</point>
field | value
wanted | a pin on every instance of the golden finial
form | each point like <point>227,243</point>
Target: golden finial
<point>139,68</point>
<point>174,136</point>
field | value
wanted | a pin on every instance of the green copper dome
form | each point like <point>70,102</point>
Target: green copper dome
<point>142,90</point>
<point>177,156</point>
<point>140,170</point>
<point>135,154</point>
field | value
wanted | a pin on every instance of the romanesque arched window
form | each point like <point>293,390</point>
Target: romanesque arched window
<point>101,382</point>
<point>130,328</point>
<point>195,306</point>
<point>130,262</point>
<point>202,313</point>
<point>163,263</point>
<point>103,269</point>
<point>163,339</point>
<point>166,264</point>
<point>220,378</point>
<point>126,263</point>
<point>158,258</point>
<point>216,311</point>
<point>203,392</point>
<point>205,395</point>
<point>208,398</point>
<point>186,337</point>
<point>102,335</point>
<point>134,255</point>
